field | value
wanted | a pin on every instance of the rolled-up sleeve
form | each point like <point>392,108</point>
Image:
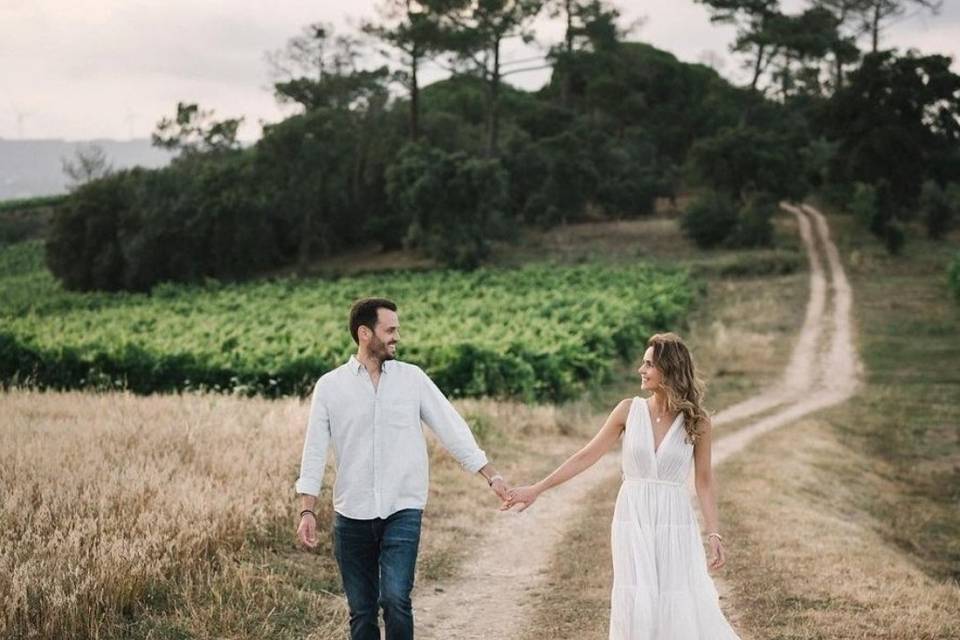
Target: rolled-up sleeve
<point>449,426</point>
<point>315,445</point>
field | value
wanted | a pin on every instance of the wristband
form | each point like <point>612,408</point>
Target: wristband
<point>310,512</point>
<point>715,535</point>
<point>492,478</point>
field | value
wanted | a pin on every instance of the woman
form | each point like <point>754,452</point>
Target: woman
<point>661,588</point>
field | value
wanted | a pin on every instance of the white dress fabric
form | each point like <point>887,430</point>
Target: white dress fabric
<point>661,587</point>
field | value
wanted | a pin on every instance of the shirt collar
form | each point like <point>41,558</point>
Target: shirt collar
<point>356,366</point>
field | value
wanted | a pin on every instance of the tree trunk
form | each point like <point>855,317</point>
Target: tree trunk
<point>838,74</point>
<point>875,27</point>
<point>566,84</point>
<point>494,114</point>
<point>757,67</point>
<point>414,98</point>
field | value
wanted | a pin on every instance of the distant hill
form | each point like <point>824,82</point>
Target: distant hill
<point>30,168</point>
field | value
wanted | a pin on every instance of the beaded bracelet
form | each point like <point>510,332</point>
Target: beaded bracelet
<point>715,535</point>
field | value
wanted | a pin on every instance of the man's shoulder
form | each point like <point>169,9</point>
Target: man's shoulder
<point>332,375</point>
<point>405,368</point>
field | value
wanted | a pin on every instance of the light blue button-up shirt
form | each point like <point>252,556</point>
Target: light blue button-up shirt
<point>377,437</point>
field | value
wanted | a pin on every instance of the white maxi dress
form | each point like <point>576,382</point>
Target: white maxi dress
<point>661,587</point>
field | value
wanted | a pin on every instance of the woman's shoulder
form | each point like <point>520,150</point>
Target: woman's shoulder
<point>625,406</point>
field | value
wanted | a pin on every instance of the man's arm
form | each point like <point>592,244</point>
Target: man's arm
<point>312,465</point>
<point>455,434</point>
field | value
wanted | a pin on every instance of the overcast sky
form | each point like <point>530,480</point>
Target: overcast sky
<point>82,69</point>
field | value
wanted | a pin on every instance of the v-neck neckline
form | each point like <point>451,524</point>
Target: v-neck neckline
<point>653,435</point>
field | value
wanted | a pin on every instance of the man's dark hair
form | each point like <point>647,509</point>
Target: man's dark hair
<point>364,313</point>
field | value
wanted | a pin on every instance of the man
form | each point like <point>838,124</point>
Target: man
<point>370,408</point>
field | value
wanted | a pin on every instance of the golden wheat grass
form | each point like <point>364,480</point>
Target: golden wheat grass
<point>174,516</point>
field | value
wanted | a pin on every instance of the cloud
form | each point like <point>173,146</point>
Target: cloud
<point>113,68</point>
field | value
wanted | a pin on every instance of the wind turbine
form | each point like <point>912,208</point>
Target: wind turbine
<point>130,118</point>
<point>21,115</point>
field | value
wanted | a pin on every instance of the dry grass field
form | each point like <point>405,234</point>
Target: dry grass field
<point>847,524</point>
<point>174,516</point>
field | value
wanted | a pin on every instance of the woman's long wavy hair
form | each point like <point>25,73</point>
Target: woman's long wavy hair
<point>684,389</point>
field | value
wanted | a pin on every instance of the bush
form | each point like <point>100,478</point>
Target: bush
<point>937,209</point>
<point>895,237</point>
<point>134,229</point>
<point>455,203</point>
<point>754,227</point>
<point>710,219</point>
<point>737,160</point>
<point>863,205</point>
<point>768,263</point>
<point>953,276</point>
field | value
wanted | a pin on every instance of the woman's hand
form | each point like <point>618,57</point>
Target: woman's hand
<point>524,496</point>
<point>718,557</point>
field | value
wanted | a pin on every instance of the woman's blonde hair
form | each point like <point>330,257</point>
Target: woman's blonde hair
<point>684,389</point>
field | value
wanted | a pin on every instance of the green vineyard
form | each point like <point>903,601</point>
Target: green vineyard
<point>541,332</point>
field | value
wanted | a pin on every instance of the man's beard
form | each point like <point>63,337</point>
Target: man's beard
<point>381,351</point>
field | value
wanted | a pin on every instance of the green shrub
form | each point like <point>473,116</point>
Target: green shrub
<point>863,204</point>
<point>754,226</point>
<point>937,210</point>
<point>953,276</point>
<point>456,204</point>
<point>710,219</point>
<point>894,237</point>
<point>766,263</point>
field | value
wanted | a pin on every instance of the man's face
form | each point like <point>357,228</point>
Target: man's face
<point>386,335</point>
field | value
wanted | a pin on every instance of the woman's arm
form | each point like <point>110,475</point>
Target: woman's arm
<point>601,443</point>
<point>706,492</point>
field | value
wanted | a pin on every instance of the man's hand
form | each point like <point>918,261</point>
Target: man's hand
<point>307,531</point>
<point>500,488</point>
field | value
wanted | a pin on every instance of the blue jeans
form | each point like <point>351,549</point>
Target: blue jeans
<point>377,559</point>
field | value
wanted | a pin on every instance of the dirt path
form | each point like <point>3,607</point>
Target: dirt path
<point>809,385</point>
<point>823,370</point>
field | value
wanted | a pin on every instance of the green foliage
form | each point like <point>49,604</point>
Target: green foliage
<point>863,206</point>
<point>953,276</point>
<point>540,332</point>
<point>136,228</point>
<point>751,264</point>
<point>193,130</point>
<point>754,226</point>
<point>26,204</point>
<point>455,204</point>
<point>740,160</point>
<point>894,236</point>
<point>634,84</point>
<point>897,120</point>
<point>710,219</point>
<point>938,208</point>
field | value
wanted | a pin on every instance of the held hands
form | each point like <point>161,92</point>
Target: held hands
<point>523,496</point>
<point>499,487</point>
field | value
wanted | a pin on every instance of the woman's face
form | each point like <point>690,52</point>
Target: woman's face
<point>650,376</point>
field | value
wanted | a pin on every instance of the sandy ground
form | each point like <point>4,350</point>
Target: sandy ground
<point>490,597</point>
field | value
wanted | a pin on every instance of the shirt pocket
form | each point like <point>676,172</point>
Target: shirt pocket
<point>402,415</point>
